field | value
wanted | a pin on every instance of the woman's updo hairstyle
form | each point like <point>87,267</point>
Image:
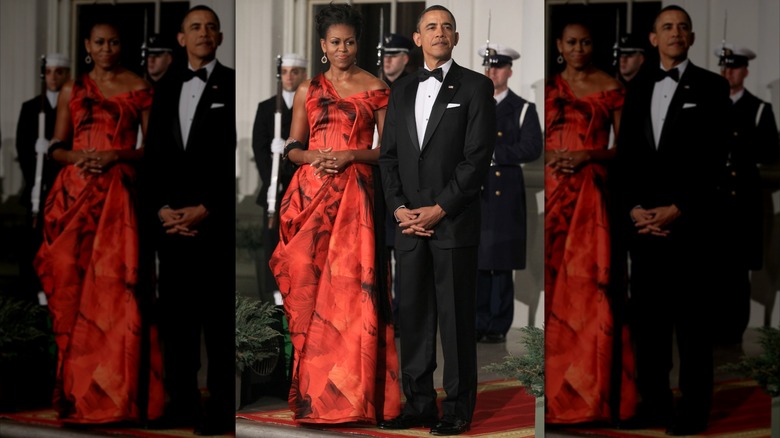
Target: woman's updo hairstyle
<point>101,14</point>
<point>338,14</point>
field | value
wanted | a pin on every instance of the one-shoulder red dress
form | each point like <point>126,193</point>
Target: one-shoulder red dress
<point>579,330</point>
<point>345,367</point>
<point>108,360</point>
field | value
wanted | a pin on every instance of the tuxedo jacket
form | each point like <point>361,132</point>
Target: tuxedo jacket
<point>26,135</point>
<point>204,171</point>
<point>450,166</point>
<point>503,242</point>
<point>683,168</point>
<point>262,134</point>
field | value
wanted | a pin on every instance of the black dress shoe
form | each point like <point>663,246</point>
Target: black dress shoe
<point>407,421</point>
<point>210,427</point>
<point>683,427</point>
<point>494,338</point>
<point>450,426</point>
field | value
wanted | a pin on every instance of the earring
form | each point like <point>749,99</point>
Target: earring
<point>560,59</point>
<point>88,59</point>
<point>324,59</point>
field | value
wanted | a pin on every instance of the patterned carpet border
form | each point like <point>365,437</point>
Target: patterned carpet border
<point>503,410</point>
<point>48,418</point>
<point>740,410</point>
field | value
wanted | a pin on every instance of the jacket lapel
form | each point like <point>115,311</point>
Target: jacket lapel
<point>409,97</point>
<point>176,125</point>
<point>446,92</point>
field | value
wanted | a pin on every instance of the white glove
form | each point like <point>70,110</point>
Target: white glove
<point>41,146</point>
<point>277,146</point>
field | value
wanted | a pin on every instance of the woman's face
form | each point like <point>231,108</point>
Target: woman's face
<point>576,45</point>
<point>103,45</point>
<point>340,45</point>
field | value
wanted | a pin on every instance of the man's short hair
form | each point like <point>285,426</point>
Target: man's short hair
<point>200,8</point>
<point>673,8</point>
<point>435,8</point>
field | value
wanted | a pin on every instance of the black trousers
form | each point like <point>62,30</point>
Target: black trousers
<point>495,301</point>
<point>197,295</point>
<point>438,288</point>
<point>671,295</point>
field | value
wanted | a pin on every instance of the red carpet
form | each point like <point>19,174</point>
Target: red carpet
<point>503,410</point>
<point>740,409</point>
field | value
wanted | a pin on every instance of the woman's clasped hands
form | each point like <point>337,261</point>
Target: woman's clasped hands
<point>328,162</point>
<point>565,161</point>
<point>92,161</point>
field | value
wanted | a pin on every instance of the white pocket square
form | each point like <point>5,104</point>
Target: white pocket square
<point>217,105</point>
<point>689,105</point>
<point>452,105</point>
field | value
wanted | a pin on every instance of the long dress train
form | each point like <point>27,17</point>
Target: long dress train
<point>108,362</point>
<point>579,322</point>
<point>345,367</point>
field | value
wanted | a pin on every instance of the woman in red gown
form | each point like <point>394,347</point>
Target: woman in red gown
<point>335,297</point>
<point>581,103</point>
<point>108,363</point>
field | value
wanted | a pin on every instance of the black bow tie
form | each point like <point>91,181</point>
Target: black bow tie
<point>437,74</point>
<point>200,73</point>
<point>674,74</point>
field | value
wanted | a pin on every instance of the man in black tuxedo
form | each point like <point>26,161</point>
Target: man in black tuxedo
<point>191,156</point>
<point>263,146</point>
<point>670,150</point>
<point>57,73</point>
<point>437,142</point>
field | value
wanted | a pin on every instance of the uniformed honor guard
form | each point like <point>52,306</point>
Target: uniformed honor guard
<point>395,57</point>
<point>56,74</point>
<point>503,239</point>
<point>753,141</point>
<point>158,57</point>
<point>631,56</point>
<point>263,146</point>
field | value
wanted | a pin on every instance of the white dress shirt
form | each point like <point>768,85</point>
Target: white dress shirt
<point>501,96</point>
<point>736,96</point>
<point>52,97</point>
<point>288,98</point>
<point>426,96</point>
<point>662,97</point>
<point>191,91</point>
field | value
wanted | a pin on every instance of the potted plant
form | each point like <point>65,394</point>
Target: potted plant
<point>764,369</point>
<point>529,370</point>
<point>28,366</point>
<point>258,344</point>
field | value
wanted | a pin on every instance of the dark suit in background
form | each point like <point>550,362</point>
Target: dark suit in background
<point>753,141</point>
<point>502,247</point>
<point>26,135</point>
<point>197,273</point>
<point>670,287</point>
<point>438,274</point>
<point>262,134</point>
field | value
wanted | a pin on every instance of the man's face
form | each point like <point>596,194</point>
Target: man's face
<point>736,76</point>
<point>630,64</point>
<point>292,77</point>
<point>200,35</point>
<point>56,77</point>
<point>436,35</point>
<point>499,76</point>
<point>395,63</point>
<point>157,63</point>
<point>672,35</point>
